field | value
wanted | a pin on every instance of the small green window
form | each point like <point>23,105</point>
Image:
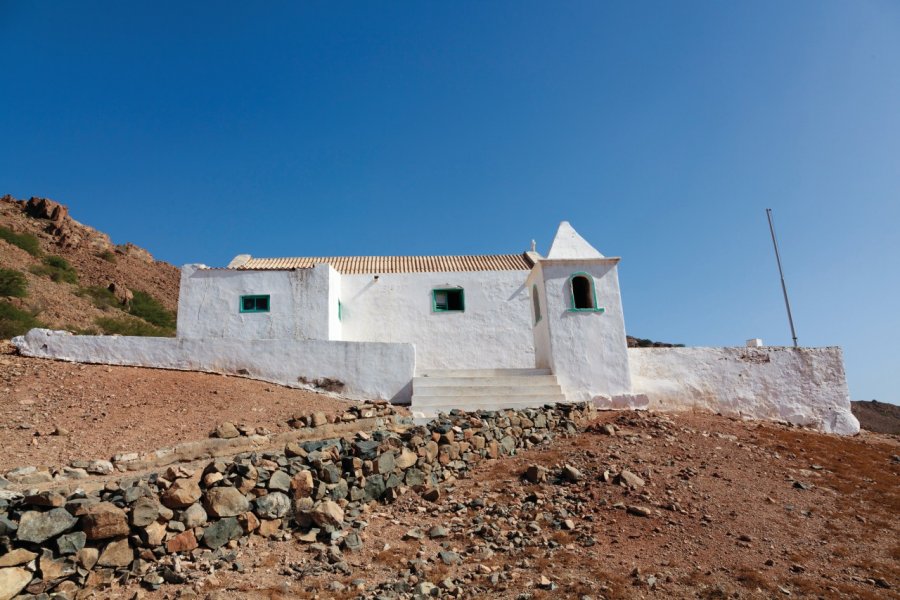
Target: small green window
<point>254,304</point>
<point>583,293</point>
<point>448,300</point>
<point>340,311</point>
<point>537,304</point>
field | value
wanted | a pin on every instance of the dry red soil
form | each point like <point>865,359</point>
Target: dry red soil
<point>737,510</point>
<point>107,410</point>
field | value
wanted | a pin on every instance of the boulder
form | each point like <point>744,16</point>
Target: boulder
<point>406,459</point>
<point>99,467</point>
<point>269,527</point>
<point>631,480</point>
<point>154,534</point>
<point>226,502</point>
<point>87,558</point>
<point>19,556</point>
<point>221,532</point>
<point>116,554</point>
<point>272,506</point>
<point>183,542</point>
<point>279,481</point>
<point>249,522</point>
<point>71,543</point>
<point>44,208</point>
<point>571,474</point>
<point>38,527</point>
<point>328,515</point>
<point>194,516</point>
<point>385,463</point>
<point>55,568</point>
<point>302,485</point>
<point>227,431</point>
<point>104,520</point>
<point>536,474</point>
<point>181,494</point>
<point>144,512</point>
<point>415,477</point>
<point>48,499</point>
<point>12,581</point>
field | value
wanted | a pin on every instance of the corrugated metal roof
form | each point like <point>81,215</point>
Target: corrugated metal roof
<point>395,264</point>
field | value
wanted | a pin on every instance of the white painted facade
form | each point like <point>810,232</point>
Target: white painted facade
<point>584,346</point>
<point>372,323</point>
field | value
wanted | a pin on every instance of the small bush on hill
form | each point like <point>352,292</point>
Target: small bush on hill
<point>13,283</point>
<point>15,321</point>
<point>148,308</point>
<point>25,241</point>
<point>58,269</point>
<point>100,296</point>
<point>130,326</point>
<point>107,255</point>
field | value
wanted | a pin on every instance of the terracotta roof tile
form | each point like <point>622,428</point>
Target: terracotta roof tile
<point>397,264</point>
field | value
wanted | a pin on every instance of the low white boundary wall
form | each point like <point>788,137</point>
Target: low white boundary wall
<point>368,370</point>
<point>803,386</point>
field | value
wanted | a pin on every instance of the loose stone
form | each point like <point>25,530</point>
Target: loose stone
<point>226,502</point>
<point>37,527</point>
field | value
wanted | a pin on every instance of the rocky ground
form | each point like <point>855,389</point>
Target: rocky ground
<point>102,410</point>
<point>639,505</point>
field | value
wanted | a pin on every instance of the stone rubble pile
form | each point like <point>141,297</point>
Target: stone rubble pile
<point>175,525</point>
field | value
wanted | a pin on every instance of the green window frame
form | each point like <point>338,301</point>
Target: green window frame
<point>448,300</point>
<point>536,302</point>
<point>591,293</point>
<point>255,303</point>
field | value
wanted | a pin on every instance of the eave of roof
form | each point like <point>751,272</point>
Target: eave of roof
<point>353,265</point>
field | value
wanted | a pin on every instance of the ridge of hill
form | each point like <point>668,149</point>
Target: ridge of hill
<point>881,417</point>
<point>59,273</point>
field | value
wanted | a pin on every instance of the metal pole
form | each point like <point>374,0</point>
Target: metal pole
<point>787,302</point>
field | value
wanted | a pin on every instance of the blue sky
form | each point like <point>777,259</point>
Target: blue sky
<point>661,130</point>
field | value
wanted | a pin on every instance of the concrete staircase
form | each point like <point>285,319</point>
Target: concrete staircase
<point>482,389</point>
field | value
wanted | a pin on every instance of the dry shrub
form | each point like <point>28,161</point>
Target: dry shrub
<point>752,579</point>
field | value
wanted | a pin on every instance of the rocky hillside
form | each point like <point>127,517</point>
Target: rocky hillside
<point>880,417</point>
<point>58,273</point>
<point>634,342</point>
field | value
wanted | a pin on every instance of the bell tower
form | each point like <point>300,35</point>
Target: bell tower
<point>578,323</point>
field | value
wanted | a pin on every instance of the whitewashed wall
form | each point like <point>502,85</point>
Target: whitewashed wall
<point>370,371</point>
<point>803,386</point>
<point>587,349</point>
<point>300,304</point>
<point>541,329</point>
<point>493,332</point>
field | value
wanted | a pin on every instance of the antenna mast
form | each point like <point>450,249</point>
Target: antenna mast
<point>787,302</point>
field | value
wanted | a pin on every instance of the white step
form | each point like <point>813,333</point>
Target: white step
<point>466,401</point>
<point>486,390</point>
<point>442,390</point>
<point>514,380</point>
<point>481,372</point>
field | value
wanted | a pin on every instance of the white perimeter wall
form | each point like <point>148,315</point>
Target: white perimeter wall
<point>493,332</point>
<point>803,386</point>
<point>370,371</point>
